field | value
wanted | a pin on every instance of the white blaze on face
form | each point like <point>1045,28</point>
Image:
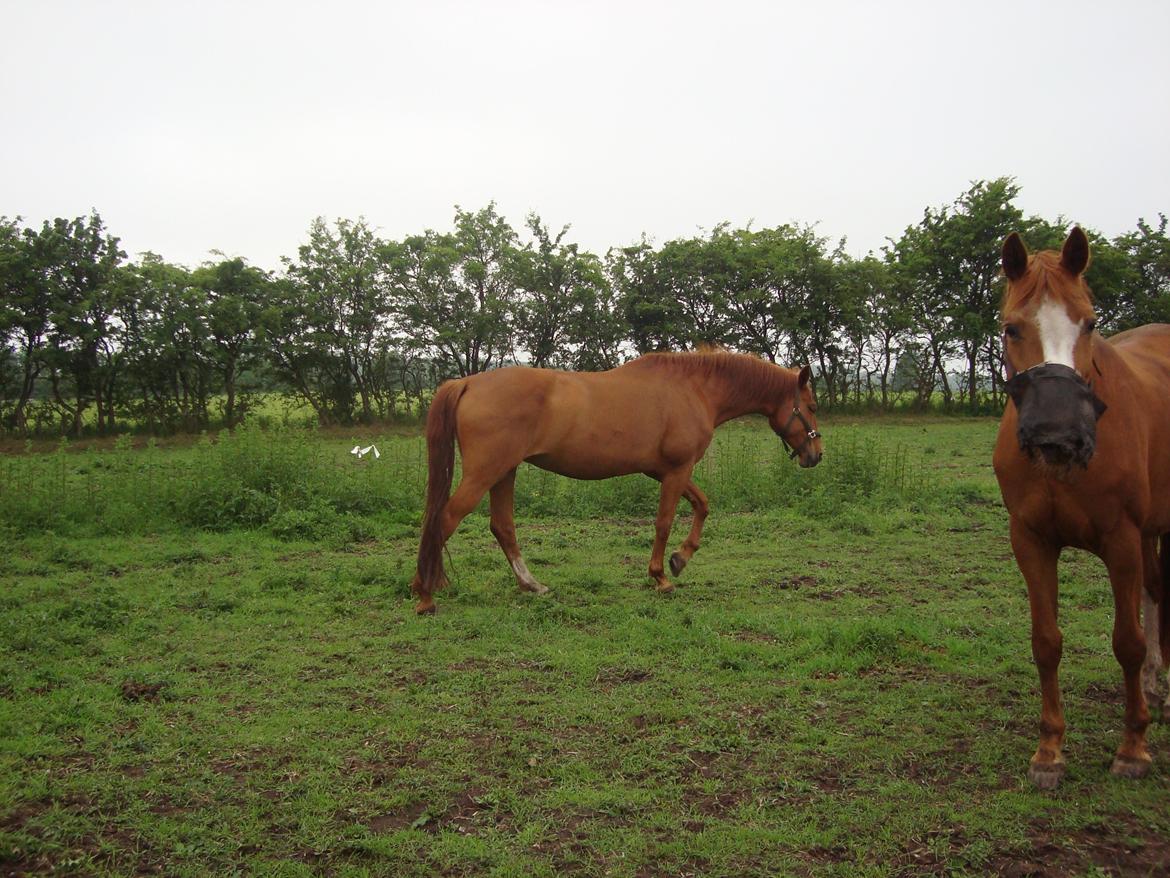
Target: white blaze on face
<point>1058,333</point>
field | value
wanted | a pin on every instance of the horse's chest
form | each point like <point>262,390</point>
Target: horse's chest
<point>1067,513</point>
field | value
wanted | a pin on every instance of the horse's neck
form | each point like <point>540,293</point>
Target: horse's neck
<point>730,398</point>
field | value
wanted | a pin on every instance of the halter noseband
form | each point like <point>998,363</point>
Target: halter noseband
<point>809,433</point>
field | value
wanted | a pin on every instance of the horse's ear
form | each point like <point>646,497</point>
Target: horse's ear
<point>1015,257</point>
<point>1074,256</point>
<point>805,375</point>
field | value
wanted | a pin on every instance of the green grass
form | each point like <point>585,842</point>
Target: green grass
<point>842,684</point>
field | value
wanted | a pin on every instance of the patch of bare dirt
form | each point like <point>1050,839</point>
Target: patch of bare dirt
<point>610,678</point>
<point>137,690</point>
<point>786,583</point>
<point>469,812</point>
<point>1119,847</point>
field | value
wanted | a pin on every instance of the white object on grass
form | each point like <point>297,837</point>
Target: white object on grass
<point>362,452</point>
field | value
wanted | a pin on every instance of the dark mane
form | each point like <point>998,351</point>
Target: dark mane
<point>748,377</point>
<point>1046,276</point>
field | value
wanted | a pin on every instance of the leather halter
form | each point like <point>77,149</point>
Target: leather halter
<point>809,433</point>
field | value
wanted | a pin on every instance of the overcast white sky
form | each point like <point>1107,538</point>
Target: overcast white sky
<point>200,126</point>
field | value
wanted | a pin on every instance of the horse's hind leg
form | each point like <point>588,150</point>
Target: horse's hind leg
<point>465,498</point>
<point>1152,667</point>
<point>686,551</point>
<point>504,530</point>
<point>1124,560</point>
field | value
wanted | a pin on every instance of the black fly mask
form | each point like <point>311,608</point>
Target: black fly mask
<point>1058,413</point>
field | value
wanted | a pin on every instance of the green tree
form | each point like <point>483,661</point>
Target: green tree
<point>235,296</point>
<point>455,293</point>
<point>557,285</point>
<point>169,357</point>
<point>330,323</point>
<point>25,310</point>
<point>949,263</point>
<point>694,273</point>
<point>653,316</point>
<point>597,330</point>
<point>1147,256</point>
<point>873,319</point>
<point>80,261</point>
<point>775,281</point>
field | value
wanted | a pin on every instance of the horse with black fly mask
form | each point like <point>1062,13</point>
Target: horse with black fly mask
<point>1083,460</point>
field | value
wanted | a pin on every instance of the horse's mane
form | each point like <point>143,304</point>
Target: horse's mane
<point>1046,276</point>
<point>746,376</point>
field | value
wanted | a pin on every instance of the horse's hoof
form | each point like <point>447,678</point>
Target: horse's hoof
<point>665,587</point>
<point>1045,775</point>
<point>426,608</point>
<point>677,563</point>
<point>1130,767</point>
<point>534,587</point>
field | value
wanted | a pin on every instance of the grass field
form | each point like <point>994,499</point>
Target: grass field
<point>209,665</point>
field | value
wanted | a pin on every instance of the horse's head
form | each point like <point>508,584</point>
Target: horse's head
<point>1048,337</point>
<point>795,422</point>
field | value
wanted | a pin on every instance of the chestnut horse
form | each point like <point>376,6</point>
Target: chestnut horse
<point>654,415</point>
<point>1083,459</point>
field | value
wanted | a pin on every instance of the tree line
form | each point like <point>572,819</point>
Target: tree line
<point>361,328</point>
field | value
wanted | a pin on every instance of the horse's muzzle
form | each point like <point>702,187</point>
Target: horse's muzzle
<point>1058,413</point>
<point>810,459</point>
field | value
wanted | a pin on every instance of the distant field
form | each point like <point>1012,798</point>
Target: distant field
<point>209,664</point>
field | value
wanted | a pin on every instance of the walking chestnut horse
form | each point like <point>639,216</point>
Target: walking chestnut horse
<point>1083,459</point>
<point>654,415</point>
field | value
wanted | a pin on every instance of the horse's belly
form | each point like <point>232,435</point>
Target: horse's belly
<point>590,467</point>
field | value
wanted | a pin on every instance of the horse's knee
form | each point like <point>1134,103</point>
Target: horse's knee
<point>1047,647</point>
<point>1129,647</point>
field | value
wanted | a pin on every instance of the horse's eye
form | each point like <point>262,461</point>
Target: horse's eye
<point>1011,331</point>
<point>1090,326</point>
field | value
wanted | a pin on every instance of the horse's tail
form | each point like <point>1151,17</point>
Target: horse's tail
<point>1164,602</point>
<point>440,473</point>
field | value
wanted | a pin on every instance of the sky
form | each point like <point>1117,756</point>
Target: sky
<point>202,127</point>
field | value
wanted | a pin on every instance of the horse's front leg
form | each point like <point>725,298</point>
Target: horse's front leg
<point>1037,559</point>
<point>1124,559</point>
<point>1153,667</point>
<point>686,551</point>
<point>673,485</point>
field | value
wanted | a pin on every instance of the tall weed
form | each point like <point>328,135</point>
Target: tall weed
<point>298,484</point>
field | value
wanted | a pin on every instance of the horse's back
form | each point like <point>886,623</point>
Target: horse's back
<point>1146,350</point>
<point>1151,339</point>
